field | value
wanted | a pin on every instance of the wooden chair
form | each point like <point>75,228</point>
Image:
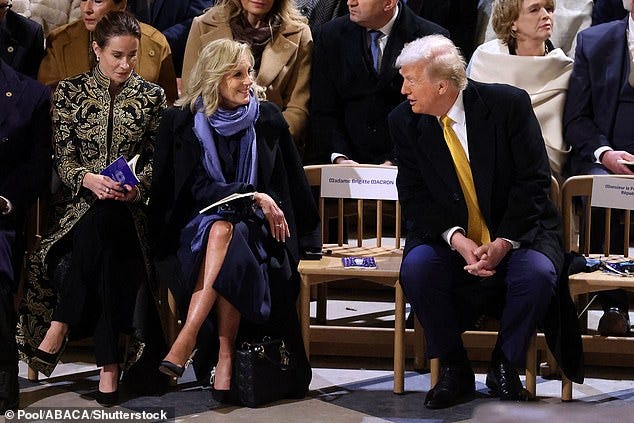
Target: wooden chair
<point>329,268</point>
<point>580,188</point>
<point>486,338</point>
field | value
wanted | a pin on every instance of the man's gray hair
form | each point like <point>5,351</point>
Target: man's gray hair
<point>627,4</point>
<point>441,58</point>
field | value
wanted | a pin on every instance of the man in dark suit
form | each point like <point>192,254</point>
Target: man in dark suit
<point>598,126</point>
<point>607,11</point>
<point>351,91</point>
<point>21,41</point>
<point>25,168</point>
<point>173,19</point>
<point>473,180</point>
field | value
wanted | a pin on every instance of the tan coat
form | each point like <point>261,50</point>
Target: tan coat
<point>67,55</point>
<point>284,71</point>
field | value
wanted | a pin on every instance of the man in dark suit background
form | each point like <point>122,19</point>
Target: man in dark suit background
<point>25,169</point>
<point>21,41</point>
<point>473,181</point>
<point>598,126</point>
<point>350,97</point>
<point>173,18</point>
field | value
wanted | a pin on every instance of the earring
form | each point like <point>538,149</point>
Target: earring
<point>513,33</point>
<point>97,58</point>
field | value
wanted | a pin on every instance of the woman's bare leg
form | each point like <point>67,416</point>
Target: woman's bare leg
<point>54,337</point>
<point>109,378</point>
<point>204,296</point>
<point>228,323</point>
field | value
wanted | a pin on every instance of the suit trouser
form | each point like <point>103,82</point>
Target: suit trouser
<point>8,350</point>
<point>447,300</point>
<point>102,283</point>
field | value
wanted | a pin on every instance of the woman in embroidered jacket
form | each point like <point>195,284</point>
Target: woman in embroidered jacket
<point>97,117</point>
<point>530,61</point>
<point>281,44</point>
<point>233,271</point>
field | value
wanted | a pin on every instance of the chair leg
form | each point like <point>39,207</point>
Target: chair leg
<point>304,314</point>
<point>434,371</point>
<point>32,374</point>
<point>399,340</point>
<point>531,367</point>
<point>419,346</point>
<point>322,295</point>
<point>566,389</point>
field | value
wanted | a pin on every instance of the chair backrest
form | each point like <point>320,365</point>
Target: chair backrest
<point>577,202</point>
<point>374,196</point>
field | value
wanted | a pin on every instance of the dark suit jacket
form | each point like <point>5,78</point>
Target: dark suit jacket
<point>607,10</point>
<point>25,147</point>
<point>21,43</point>
<point>593,92</point>
<point>509,165</point>
<point>173,18</point>
<point>280,174</point>
<point>349,101</point>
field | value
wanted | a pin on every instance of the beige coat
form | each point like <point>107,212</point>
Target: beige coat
<point>67,55</point>
<point>284,71</point>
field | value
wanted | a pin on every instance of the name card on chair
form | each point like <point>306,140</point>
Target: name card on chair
<point>613,192</point>
<point>363,182</point>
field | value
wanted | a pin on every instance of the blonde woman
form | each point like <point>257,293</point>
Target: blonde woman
<point>281,44</point>
<point>237,268</point>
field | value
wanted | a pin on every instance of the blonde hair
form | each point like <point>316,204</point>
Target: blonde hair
<point>286,10</point>
<point>441,57</point>
<point>216,60</point>
<point>505,13</point>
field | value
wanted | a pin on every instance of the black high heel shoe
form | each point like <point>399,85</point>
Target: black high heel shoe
<point>107,399</point>
<point>225,396</point>
<point>50,359</point>
<point>174,370</point>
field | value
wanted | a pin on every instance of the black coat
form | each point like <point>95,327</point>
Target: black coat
<point>21,43</point>
<point>25,147</point>
<point>349,101</point>
<point>509,165</point>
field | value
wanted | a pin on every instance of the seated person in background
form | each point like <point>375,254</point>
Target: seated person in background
<point>85,276</point>
<point>69,52</point>
<point>354,84</point>
<point>281,44</point>
<point>531,62</point>
<point>25,170</point>
<point>21,41</point>
<point>473,180</point>
<point>598,126</point>
<point>608,11</point>
<point>235,271</point>
<point>49,13</point>
<point>572,16</point>
<point>173,19</point>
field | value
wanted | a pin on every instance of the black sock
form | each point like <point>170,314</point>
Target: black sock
<point>455,357</point>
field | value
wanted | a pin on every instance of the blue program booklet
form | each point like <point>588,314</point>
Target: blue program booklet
<point>365,262</point>
<point>122,171</point>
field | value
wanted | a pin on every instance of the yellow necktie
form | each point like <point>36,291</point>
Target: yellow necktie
<point>477,229</point>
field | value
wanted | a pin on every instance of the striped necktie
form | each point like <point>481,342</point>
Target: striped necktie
<point>477,229</point>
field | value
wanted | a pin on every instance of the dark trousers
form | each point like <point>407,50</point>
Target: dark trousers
<point>8,350</point>
<point>100,288</point>
<point>446,299</point>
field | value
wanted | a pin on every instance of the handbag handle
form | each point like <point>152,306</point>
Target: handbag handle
<point>285,356</point>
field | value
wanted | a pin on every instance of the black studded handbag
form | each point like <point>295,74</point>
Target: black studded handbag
<point>265,372</point>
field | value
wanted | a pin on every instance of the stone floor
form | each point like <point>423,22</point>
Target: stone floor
<point>342,390</point>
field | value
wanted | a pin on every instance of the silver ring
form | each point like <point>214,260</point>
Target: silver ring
<point>107,190</point>
<point>279,225</point>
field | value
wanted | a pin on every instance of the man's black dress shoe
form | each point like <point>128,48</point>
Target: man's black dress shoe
<point>455,383</point>
<point>504,381</point>
<point>614,322</point>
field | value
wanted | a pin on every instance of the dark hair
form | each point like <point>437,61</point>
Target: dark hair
<point>113,24</point>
